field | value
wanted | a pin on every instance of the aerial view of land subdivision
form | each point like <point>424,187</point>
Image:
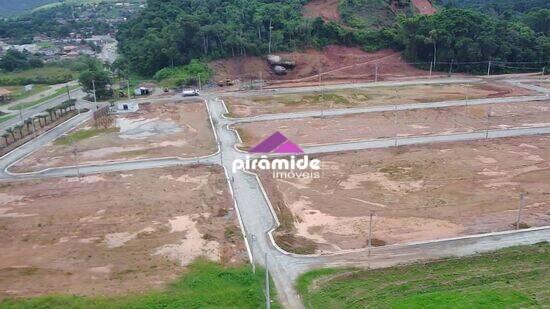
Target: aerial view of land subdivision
<point>285,154</point>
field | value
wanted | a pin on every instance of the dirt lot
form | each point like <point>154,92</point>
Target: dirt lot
<point>424,7</point>
<point>326,9</point>
<point>416,193</point>
<point>544,84</point>
<point>256,105</point>
<point>113,233</point>
<point>335,63</point>
<point>314,131</point>
<point>156,130</point>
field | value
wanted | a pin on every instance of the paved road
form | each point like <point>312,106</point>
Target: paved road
<point>418,140</point>
<point>332,87</point>
<point>257,216</point>
<point>37,109</point>
<point>385,108</point>
<point>259,219</point>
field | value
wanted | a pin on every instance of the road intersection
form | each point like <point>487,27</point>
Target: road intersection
<point>257,217</point>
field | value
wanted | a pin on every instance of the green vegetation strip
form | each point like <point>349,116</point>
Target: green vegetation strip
<point>57,93</point>
<point>515,277</point>
<point>82,135</point>
<point>6,118</point>
<point>205,285</point>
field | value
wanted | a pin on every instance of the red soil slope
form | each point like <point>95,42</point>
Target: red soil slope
<point>424,7</point>
<point>333,63</point>
<point>326,9</point>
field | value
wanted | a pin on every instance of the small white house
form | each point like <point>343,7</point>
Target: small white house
<point>127,107</point>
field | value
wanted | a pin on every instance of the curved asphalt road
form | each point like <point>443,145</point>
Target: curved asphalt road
<point>258,218</point>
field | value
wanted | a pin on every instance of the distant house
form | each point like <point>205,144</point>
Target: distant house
<point>126,107</point>
<point>5,95</point>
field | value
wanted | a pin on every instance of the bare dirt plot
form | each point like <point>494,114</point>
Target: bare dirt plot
<point>326,9</point>
<point>424,7</point>
<point>113,233</point>
<point>157,130</point>
<point>256,105</point>
<point>417,193</point>
<point>544,84</point>
<point>315,131</point>
<point>335,63</point>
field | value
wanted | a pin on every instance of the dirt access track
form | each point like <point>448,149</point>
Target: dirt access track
<point>113,233</point>
<point>450,120</point>
<point>416,193</point>
<point>375,96</point>
<point>336,64</point>
<point>170,129</point>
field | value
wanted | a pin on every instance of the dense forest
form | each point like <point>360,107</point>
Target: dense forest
<point>469,36</point>
<point>173,32</point>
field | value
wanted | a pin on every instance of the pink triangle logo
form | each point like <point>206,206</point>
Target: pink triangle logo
<point>277,143</point>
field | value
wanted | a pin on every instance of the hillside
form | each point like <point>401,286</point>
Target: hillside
<point>10,7</point>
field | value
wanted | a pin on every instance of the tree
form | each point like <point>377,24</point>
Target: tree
<point>19,128</point>
<point>11,132</point>
<point>51,112</point>
<point>29,123</point>
<point>97,78</point>
<point>5,136</point>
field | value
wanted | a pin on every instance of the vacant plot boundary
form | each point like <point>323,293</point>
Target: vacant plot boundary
<point>416,193</point>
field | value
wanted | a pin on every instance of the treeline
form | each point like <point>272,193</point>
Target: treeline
<point>14,60</point>
<point>170,33</point>
<point>462,35</point>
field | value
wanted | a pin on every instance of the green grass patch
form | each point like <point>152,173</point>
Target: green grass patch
<point>19,93</point>
<point>82,135</point>
<point>6,117</point>
<point>206,285</point>
<point>510,278</point>
<point>184,75</point>
<point>49,75</point>
<point>56,93</point>
<point>317,98</point>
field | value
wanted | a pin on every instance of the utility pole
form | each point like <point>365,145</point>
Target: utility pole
<point>199,79</point>
<point>128,88</point>
<point>451,67</point>
<point>370,229</point>
<point>270,28</point>
<point>261,81</point>
<point>75,152</point>
<point>93,87</point>
<point>521,195</point>
<point>488,122</point>
<point>489,68</point>
<point>267,296</point>
<point>431,68</point>
<point>68,92</point>
<point>376,73</point>
<point>252,253</point>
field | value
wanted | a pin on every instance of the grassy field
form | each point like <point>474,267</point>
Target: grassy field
<point>19,93</point>
<point>49,75</point>
<point>82,135</point>
<point>206,285</point>
<point>517,277</point>
<point>6,117</point>
<point>58,92</point>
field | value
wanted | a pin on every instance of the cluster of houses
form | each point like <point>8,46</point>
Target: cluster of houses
<point>68,48</point>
